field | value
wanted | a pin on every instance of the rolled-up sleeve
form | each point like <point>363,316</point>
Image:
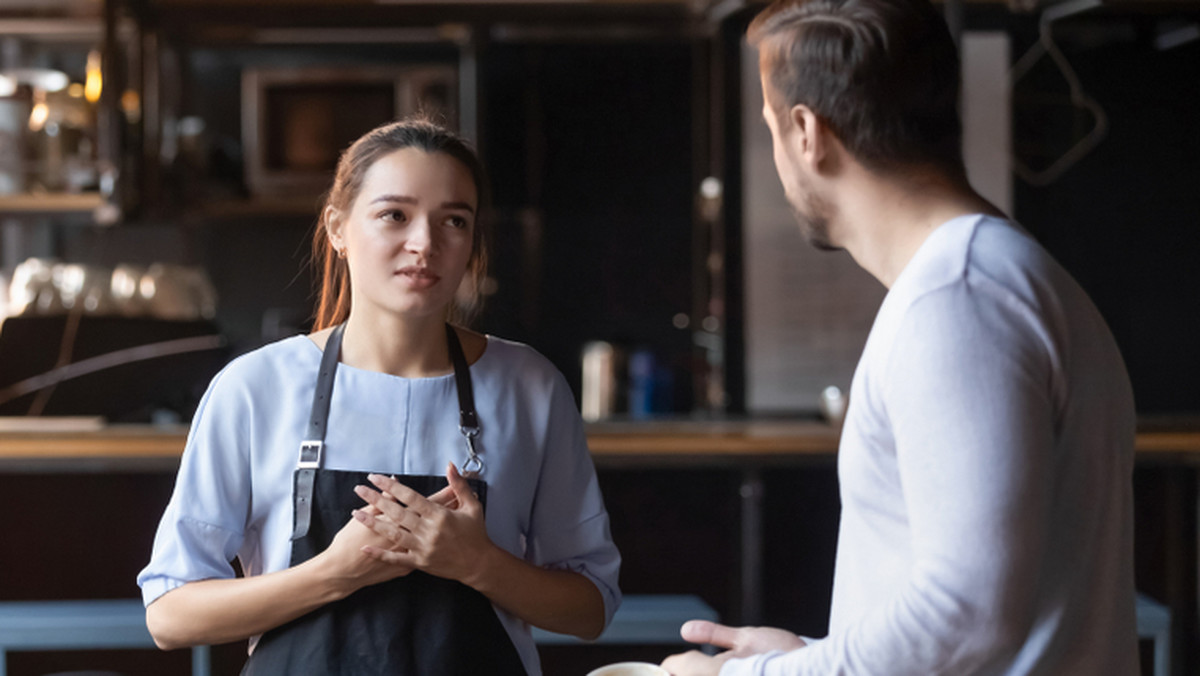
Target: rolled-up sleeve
<point>569,528</point>
<point>202,527</point>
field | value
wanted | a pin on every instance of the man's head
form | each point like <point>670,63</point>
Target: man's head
<point>881,76</point>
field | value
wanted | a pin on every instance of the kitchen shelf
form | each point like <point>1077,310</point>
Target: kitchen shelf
<point>50,204</point>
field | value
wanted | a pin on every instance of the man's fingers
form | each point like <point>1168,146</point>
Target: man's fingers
<point>703,631</point>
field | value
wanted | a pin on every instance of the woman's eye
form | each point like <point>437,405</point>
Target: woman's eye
<point>394,215</point>
<point>457,222</point>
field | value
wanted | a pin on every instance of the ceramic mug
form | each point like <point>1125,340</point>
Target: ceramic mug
<point>629,669</point>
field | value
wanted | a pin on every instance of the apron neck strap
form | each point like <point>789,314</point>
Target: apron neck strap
<point>313,447</point>
<point>467,419</point>
<point>324,393</point>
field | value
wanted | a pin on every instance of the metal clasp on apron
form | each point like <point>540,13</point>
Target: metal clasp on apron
<point>310,454</point>
<point>473,465</point>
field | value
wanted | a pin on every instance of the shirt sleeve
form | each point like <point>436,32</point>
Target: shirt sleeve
<point>968,393</point>
<point>202,527</point>
<point>569,527</point>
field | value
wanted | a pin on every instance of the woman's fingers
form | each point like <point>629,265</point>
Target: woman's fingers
<point>445,497</point>
<point>407,497</point>
<point>382,503</point>
<point>462,489</point>
<point>400,558</point>
<point>384,526</point>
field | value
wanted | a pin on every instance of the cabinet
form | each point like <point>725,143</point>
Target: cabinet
<point>595,119</point>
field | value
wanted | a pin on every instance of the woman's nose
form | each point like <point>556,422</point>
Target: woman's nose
<point>420,236</point>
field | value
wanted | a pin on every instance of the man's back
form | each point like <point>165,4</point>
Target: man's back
<point>987,452</point>
<point>986,472</point>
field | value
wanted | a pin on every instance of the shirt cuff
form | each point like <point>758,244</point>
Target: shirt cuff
<point>749,666</point>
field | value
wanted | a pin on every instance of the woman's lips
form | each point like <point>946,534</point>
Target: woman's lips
<point>418,277</point>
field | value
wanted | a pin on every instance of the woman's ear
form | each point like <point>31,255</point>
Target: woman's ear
<point>331,218</point>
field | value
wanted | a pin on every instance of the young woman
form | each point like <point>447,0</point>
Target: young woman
<point>404,496</point>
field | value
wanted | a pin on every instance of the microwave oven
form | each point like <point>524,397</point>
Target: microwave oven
<point>297,121</point>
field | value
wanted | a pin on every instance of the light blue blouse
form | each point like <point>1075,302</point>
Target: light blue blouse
<point>233,497</point>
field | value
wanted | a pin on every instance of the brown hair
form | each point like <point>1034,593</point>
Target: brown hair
<point>883,74</point>
<point>332,273</point>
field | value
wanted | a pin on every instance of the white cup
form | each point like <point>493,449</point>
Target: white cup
<point>629,669</point>
<point>833,405</point>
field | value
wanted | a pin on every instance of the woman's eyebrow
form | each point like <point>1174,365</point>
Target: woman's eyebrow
<point>458,205</point>
<point>405,199</point>
<point>394,198</point>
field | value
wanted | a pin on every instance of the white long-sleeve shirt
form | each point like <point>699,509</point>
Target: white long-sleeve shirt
<point>986,477</point>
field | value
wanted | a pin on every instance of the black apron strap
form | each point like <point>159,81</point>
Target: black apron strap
<point>314,441</point>
<point>468,422</point>
<point>462,381</point>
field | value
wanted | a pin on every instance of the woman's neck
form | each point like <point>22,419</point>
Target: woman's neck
<point>400,346</point>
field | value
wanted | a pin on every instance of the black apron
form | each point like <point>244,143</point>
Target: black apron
<point>416,625</point>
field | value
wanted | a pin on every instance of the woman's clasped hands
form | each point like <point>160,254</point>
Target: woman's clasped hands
<point>443,535</point>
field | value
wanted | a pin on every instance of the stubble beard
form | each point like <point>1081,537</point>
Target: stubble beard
<point>812,215</point>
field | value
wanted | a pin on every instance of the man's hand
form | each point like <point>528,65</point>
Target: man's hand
<point>695,663</point>
<point>738,642</point>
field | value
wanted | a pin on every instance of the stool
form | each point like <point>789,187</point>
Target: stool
<point>80,625</point>
<point>1154,623</point>
<point>646,619</point>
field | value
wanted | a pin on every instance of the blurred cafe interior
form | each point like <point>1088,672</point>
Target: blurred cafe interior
<point>161,167</point>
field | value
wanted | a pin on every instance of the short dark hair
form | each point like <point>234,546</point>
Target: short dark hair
<point>333,276</point>
<point>883,74</point>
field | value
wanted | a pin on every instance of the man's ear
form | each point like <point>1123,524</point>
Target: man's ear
<point>811,134</point>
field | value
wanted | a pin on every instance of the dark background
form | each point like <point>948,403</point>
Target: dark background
<point>592,143</point>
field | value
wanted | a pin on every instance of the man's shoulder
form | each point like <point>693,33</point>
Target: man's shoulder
<point>978,253</point>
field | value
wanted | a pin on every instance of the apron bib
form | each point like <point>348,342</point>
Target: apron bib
<point>416,625</point>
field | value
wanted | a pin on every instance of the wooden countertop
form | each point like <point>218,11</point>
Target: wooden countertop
<point>90,445</point>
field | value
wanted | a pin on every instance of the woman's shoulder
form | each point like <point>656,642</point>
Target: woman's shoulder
<point>510,357</point>
<point>271,362</point>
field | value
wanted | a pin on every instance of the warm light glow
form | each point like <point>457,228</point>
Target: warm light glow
<point>147,287</point>
<point>75,90</point>
<point>94,84</point>
<point>131,105</point>
<point>38,116</point>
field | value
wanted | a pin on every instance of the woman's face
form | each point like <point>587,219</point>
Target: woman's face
<point>409,233</point>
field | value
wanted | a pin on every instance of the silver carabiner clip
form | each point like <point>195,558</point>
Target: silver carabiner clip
<point>473,465</point>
